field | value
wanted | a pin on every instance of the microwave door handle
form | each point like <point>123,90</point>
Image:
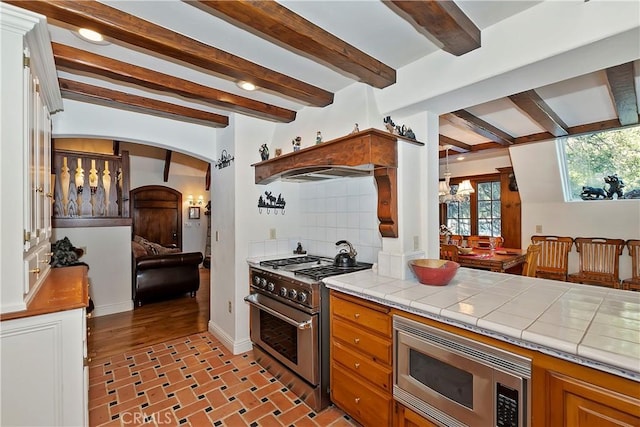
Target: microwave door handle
<point>301,325</point>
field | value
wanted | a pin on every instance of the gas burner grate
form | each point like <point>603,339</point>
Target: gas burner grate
<point>319,273</point>
<point>283,262</point>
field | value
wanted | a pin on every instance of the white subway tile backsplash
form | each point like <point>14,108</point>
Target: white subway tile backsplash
<point>256,248</point>
<point>353,204</point>
<point>284,246</point>
<point>270,247</point>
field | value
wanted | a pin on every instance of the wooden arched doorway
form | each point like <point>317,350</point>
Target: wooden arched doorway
<point>156,213</point>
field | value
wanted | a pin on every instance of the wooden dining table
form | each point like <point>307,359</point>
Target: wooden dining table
<point>500,260</point>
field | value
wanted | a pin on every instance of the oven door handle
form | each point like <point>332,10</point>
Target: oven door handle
<point>300,325</point>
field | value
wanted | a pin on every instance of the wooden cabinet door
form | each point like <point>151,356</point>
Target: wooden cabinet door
<point>405,417</point>
<point>575,403</point>
<point>157,214</point>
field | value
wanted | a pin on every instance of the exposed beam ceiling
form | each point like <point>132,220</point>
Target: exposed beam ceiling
<point>442,21</point>
<point>535,107</point>
<point>70,58</point>
<point>464,119</point>
<point>285,28</point>
<point>623,89</point>
<point>167,165</point>
<point>125,28</point>
<point>97,95</point>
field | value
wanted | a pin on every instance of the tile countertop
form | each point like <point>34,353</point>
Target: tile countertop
<point>589,325</point>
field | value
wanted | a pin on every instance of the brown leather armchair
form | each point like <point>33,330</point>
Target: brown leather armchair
<point>161,276</point>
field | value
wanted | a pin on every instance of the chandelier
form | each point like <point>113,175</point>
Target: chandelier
<point>446,193</point>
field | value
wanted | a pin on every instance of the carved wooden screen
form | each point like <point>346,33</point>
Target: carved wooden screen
<point>90,185</point>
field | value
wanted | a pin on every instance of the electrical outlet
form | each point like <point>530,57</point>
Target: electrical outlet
<point>272,233</point>
<point>538,229</point>
<point>229,306</point>
<point>416,243</point>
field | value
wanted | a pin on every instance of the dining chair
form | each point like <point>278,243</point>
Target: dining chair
<point>554,257</point>
<point>531,263</point>
<point>633,283</point>
<point>599,261</point>
<point>449,252</point>
<point>456,239</point>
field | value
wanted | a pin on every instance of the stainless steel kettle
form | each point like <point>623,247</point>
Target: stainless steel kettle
<point>344,258</point>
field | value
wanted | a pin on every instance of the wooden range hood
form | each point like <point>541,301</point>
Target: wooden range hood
<point>369,152</point>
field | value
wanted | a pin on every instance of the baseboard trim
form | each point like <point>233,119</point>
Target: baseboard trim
<point>236,347</point>
<point>103,310</point>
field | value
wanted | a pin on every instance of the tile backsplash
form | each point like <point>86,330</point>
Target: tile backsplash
<point>341,209</point>
<point>333,210</point>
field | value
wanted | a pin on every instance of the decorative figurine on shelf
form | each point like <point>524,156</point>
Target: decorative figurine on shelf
<point>318,138</point>
<point>356,129</point>
<point>296,143</point>
<point>388,123</point>
<point>398,130</point>
<point>264,152</point>
<point>592,193</point>
<point>633,194</point>
<point>299,250</point>
<point>278,151</point>
<point>615,186</point>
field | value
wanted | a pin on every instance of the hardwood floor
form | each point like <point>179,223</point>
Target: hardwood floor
<point>150,324</point>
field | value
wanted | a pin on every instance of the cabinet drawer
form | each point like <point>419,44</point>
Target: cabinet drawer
<point>361,365</point>
<point>360,400</point>
<point>376,321</point>
<point>378,348</point>
<point>31,272</point>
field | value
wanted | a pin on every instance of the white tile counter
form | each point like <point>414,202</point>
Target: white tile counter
<point>592,326</point>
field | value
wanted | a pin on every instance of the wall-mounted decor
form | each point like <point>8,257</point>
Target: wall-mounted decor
<point>398,130</point>
<point>225,160</point>
<point>194,212</point>
<point>271,202</point>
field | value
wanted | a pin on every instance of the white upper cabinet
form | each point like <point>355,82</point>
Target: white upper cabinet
<point>29,93</point>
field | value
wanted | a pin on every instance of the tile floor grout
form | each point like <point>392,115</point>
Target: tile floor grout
<point>195,381</point>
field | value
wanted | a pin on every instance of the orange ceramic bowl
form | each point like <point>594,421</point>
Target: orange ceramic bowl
<point>434,272</point>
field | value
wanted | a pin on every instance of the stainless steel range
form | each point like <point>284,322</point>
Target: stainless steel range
<point>290,324</point>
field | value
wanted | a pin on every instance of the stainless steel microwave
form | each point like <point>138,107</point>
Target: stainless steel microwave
<point>454,381</point>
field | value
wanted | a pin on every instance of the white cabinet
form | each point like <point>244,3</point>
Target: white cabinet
<point>29,93</point>
<point>44,380</point>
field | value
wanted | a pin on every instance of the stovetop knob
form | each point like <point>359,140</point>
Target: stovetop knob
<point>302,297</point>
<point>256,280</point>
<point>263,282</point>
<point>293,294</point>
<point>283,292</point>
<point>271,286</point>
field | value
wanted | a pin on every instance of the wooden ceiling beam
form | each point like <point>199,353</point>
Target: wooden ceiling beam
<point>276,23</point>
<point>621,81</point>
<point>73,59</point>
<point>121,27</point>
<point>458,146</point>
<point>540,112</point>
<point>465,120</point>
<point>167,165</point>
<point>97,95</point>
<point>443,22</point>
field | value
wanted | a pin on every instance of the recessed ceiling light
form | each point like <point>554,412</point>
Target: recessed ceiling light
<point>246,85</point>
<point>90,35</point>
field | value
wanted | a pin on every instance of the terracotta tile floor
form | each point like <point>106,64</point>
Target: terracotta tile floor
<point>195,381</point>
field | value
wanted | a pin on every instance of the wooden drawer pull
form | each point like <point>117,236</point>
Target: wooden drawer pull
<point>356,315</point>
<point>357,400</point>
<point>356,340</point>
<point>356,365</point>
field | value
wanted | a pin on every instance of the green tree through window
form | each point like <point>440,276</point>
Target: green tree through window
<point>591,157</point>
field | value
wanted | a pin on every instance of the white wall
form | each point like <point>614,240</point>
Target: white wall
<point>109,265</point>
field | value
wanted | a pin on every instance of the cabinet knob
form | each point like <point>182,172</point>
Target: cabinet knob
<point>86,361</point>
<point>356,340</point>
<point>39,190</point>
<point>356,315</point>
<point>35,270</point>
<point>356,365</point>
<point>357,400</point>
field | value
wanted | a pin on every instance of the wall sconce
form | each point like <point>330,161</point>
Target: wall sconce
<point>193,202</point>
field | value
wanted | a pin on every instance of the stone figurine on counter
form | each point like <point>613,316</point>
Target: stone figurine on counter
<point>296,143</point>
<point>264,152</point>
<point>356,129</point>
<point>318,138</point>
